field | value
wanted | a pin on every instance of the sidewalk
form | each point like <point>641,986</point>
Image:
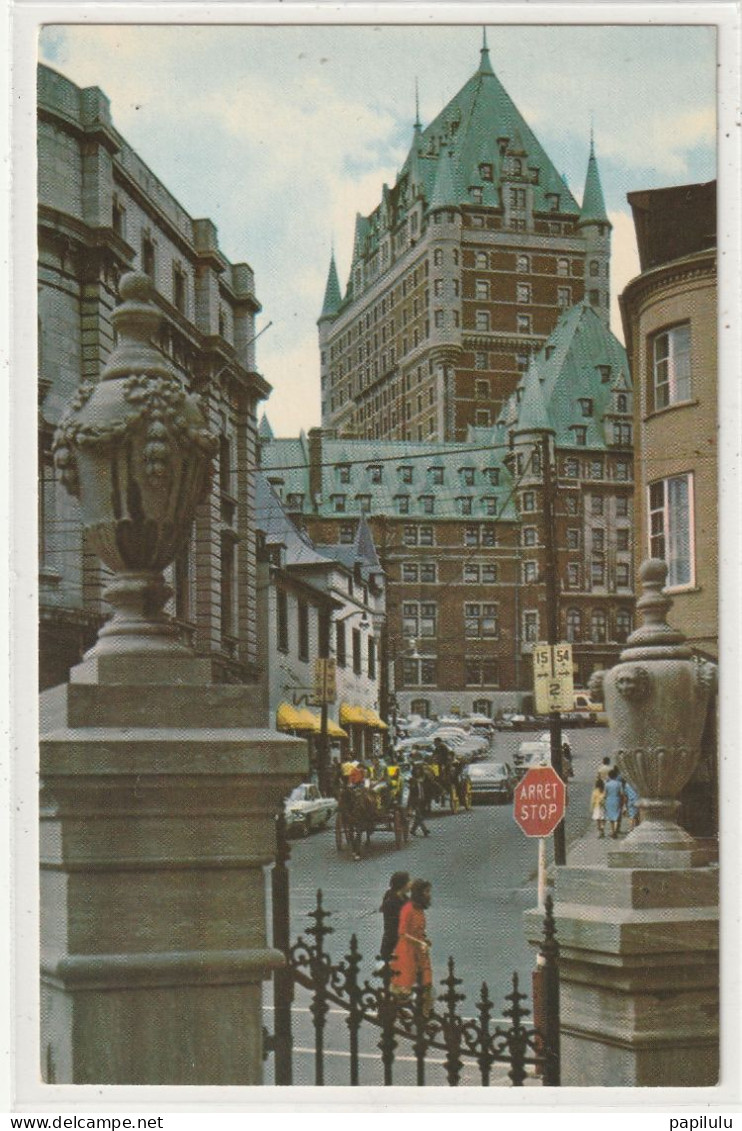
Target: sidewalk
<point>592,850</point>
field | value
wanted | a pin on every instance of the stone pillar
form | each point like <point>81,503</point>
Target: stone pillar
<point>158,787</point>
<point>639,976</point>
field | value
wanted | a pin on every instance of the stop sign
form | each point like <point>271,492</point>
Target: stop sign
<point>538,801</point>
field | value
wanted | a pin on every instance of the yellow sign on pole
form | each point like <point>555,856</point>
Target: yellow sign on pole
<point>553,678</point>
<point>325,689</point>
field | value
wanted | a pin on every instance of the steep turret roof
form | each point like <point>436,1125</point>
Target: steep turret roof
<point>532,414</point>
<point>446,192</point>
<point>333,297</point>
<point>593,205</point>
<point>265,432</point>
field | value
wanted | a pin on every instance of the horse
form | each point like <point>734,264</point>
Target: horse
<point>358,811</point>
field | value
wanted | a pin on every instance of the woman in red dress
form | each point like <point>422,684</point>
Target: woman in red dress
<point>411,961</point>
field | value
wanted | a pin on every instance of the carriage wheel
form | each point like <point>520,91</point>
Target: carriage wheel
<point>339,830</point>
<point>399,828</point>
<point>467,795</point>
<point>454,799</point>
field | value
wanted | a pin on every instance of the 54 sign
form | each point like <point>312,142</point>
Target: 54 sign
<point>325,689</point>
<point>553,678</point>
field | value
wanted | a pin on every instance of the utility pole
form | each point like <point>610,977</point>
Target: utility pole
<point>552,624</point>
<point>323,748</point>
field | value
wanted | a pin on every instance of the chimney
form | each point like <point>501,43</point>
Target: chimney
<point>315,464</point>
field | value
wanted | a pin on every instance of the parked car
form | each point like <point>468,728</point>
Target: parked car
<point>494,781</point>
<point>594,713</point>
<point>306,809</point>
<point>533,752</point>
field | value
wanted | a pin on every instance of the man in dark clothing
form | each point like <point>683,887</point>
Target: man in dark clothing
<point>416,800</point>
<point>391,906</point>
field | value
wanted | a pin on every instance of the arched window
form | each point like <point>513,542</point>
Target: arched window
<point>574,624</point>
<point>594,268</point>
<point>623,625</point>
<point>598,626</point>
<point>563,267</point>
<point>420,707</point>
<point>482,707</point>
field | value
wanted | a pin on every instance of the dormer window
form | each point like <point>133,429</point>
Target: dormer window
<point>475,194</point>
<point>467,476</point>
<point>374,472</point>
<point>364,503</point>
<point>427,504</point>
<point>523,264</point>
<point>552,199</point>
<point>580,434</point>
<point>586,406</point>
<point>622,403</point>
<point>405,474</point>
<point>436,475</point>
<point>338,503</point>
<point>465,504</point>
<point>343,472</point>
<point>550,351</point>
<point>492,475</point>
<point>605,373</point>
<point>485,172</point>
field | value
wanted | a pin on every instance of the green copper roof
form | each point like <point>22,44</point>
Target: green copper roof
<point>265,432</point>
<point>446,192</point>
<point>333,297</point>
<point>532,415</point>
<point>593,205</point>
<point>578,369</point>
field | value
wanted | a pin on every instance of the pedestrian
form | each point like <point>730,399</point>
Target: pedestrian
<point>605,769</point>
<point>613,801</point>
<point>413,965</point>
<point>391,906</point>
<point>597,805</point>
<point>631,796</point>
<point>416,800</point>
<point>567,767</point>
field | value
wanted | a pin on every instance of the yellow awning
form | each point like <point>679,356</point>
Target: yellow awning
<point>288,717</point>
<point>373,720</point>
<point>350,714</point>
<point>309,721</point>
<point>334,730</point>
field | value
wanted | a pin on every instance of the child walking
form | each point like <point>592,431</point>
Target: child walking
<point>597,805</point>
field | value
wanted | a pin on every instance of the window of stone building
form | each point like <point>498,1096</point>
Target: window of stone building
<point>436,475</point>
<point>571,468</point>
<point>482,418</point>
<point>438,319</point>
<point>521,360</point>
<point>574,625</point>
<point>594,268</point>
<point>571,504</point>
<point>302,612</point>
<point>118,218</point>
<point>671,530</point>
<point>488,534</point>
<point>481,260</point>
<point>471,535</point>
<point>482,707</point>
<point>465,504</point>
<point>622,574</point>
<point>338,503</point>
<point>481,289</point>
<point>596,469</point>
<point>455,255</point>
<point>409,572</point>
<point>517,198</point>
<point>586,405</point>
<point>597,571</point>
<point>529,501</point>
<point>580,434</point>
<point>523,323</point>
<point>623,538</point>
<point>564,297</point>
<point>563,267</point>
<point>573,538</point>
<point>671,366</point>
<point>356,647</point>
<point>467,476</point>
<point>622,403</point>
<point>480,673</point>
<point>598,538</point>
<point>492,475</point>
<point>523,292</point>
<point>523,264</point>
<point>573,576</point>
<point>371,658</point>
<point>227,587</point>
<point>456,317</point>
<point>347,534</point>
<point>481,360</point>
<point>485,171</point>
<point>427,504</point>
<point>530,572</point>
<point>282,621</point>
<point>482,320</point>
<point>529,536</point>
<point>489,573</point>
<point>364,503</point>
<point>622,506</point>
<point>476,221</point>
<point>375,472</point>
<point>475,194</point>
<point>179,288</point>
<point>148,256</point>
<point>405,474</point>
<point>437,287</point>
<point>621,434</point>
<point>426,535</point>
<point>428,573</point>
<point>596,504</point>
<point>343,472</point>
<point>594,298</point>
<point>530,626</point>
<point>470,573</point>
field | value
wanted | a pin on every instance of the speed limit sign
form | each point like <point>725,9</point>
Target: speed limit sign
<point>553,678</point>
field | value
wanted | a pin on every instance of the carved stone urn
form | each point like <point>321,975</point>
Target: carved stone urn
<point>135,449</point>
<point>656,699</point>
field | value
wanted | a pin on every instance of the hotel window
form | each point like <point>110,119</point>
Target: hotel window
<point>489,573</point>
<point>409,571</point>
<point>596,469</point>
<point>580,434</point>
<point>622,538</point>
<point>490,504</point>
<point>475,194</point>
<point>622,403</point>
<point>481,360</point>
<point>488,534</point>
<point>594,268</point>
<point>597,571</point>
<point>419,618</point>
<point>467,476</point>
<point>571,468</point>
<point>482,389</point>
<point>118,218</point>
<point>427,503</point>
<point>571,504</point>
<point>622,575</point>
<point>485,172</point>
<point>530,536</point>
<point>228,570</point>
<point>523,292</point>
<point>671,535</point>
<point>471,573</point>
<point>343,473</point>
<point>573,577</point>
<point>465,505</point>
<point>480,621</point>
<point>521,360</point>
<point>599,539</point>
<point>492,475</point>
<point>481,289</point>
<point>671,366</point>
<point>530,627</point>
<point>573,538</point>
<point>481,673</point>
<point>426,535</point>
<point>438,287</point>
<point>148,256</point>
<point>523,264</point>
<point>338,503</point>
<point>436,475</point>
<point>481,260</point>
<point>596,504</point>
<point>347,535</point>
<point>595,298</point>
<point>403,504</point>
<point>428,573</point>
<point>517,198</point>
<point>302,612</point>
<point>598,626</point>
<point>563,268</point>
<point>529,501</point>
<point>482,320</point>
<point>523,323</point>
<point>623,625</point>
<point>471,536</point>
<point>364,503</point>
<point>356,646</point>
<point>282,621</point>
<point>574,625</point>
<point>374,472</point>
<point>405,474</point>
<point>438,257</point>
<point>622,506</point>
<point>340,650</point>
<point>564,297</point>
<point>621,434</point>
<point>530,572</point>
<point>438,318</point>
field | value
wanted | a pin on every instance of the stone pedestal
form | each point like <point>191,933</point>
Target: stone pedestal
<point>158,794</point>
<point>638,975</point>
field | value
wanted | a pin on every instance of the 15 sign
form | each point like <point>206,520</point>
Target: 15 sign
<point>325,688</point>
<point>553,678</point>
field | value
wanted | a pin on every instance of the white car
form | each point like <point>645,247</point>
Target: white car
<point>306,809</point>
<point>534,752</point>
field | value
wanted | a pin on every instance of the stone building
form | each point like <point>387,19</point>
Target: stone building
<point>102,211</point>
<point>669,314</point>
<point>458,274</point>
<point>459,526</point>
<point>314,602</point>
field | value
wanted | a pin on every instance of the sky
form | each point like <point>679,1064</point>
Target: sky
<point>282,134</point>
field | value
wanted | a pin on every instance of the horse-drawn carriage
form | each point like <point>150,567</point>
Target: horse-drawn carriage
<point>366,807</point>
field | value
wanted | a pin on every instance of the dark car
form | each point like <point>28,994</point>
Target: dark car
<point>491,781</point>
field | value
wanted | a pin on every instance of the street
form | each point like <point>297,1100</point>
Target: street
<point>483,872</point>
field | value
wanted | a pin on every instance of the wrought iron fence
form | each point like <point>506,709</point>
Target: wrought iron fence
<point>422,1023</point>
